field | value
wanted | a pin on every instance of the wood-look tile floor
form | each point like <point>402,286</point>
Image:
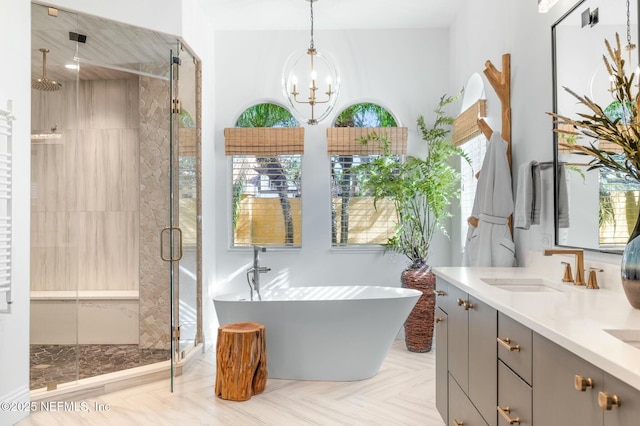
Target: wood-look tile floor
<point>402,393</point>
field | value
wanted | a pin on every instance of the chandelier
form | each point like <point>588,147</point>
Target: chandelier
<point>304,71</point>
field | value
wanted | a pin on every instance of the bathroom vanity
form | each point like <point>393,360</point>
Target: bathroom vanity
<point>515,348</point>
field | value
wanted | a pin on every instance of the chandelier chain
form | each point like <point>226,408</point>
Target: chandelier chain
<point>312,46</point>
<point>628,25</point>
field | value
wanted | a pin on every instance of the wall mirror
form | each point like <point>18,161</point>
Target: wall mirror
<point>596,209</point>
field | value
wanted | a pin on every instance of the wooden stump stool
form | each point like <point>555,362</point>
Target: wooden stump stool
<point>241,361</point>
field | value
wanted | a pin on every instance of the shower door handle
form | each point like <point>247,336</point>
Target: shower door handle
<point>171,230</point>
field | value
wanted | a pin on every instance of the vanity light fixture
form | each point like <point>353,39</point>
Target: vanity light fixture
<point>306,69</point>
<point>545,5</point>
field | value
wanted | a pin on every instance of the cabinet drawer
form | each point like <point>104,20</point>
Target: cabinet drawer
<point>442,294</point>
<point>461,410</point>
<point>515,344</point>
<point>514,398</point>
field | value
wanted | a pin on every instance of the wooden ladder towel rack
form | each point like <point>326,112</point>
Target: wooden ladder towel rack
<point>501,83</point>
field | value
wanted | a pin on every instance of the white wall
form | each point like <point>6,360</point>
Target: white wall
<point>15,18</point>
<point>404,70</point>
<point>484,31</point>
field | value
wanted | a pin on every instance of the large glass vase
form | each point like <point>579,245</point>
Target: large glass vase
<point>630,267</point>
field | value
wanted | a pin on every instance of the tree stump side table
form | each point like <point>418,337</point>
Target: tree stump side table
<point>241,361</point>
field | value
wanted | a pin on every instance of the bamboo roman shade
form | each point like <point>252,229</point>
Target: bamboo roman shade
<point>263,141</point>
<point>344,140</point>
<point>465,126</point>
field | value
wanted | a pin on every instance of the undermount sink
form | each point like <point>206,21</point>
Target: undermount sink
<point>631,337</point>
<point>522,285</point>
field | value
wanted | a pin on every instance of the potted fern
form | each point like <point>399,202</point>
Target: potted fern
<point>421,189</point>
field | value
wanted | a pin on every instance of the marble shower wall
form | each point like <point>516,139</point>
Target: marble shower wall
<point>155,313</point>
<point>85,187</point>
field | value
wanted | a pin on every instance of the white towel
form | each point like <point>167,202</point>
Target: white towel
<point>537,194</point>
<point>527,197</point>
<point>563,199</point>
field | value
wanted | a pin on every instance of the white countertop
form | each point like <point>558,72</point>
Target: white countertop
<point>574,317</point>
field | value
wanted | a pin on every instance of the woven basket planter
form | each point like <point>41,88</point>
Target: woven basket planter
<point>418,328</point>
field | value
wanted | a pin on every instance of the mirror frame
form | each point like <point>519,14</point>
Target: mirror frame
<point>555,88</point>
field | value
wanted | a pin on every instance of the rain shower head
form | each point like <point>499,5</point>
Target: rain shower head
<point>44,83</point>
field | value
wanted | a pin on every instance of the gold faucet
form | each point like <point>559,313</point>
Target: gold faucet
<point>579,262</point>
<point>593,278</point>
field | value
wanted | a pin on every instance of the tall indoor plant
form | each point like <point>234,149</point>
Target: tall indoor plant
<point>622,130</point>
<point>421,189</point>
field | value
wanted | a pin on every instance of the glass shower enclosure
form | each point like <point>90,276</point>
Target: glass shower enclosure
<point>115,198</point>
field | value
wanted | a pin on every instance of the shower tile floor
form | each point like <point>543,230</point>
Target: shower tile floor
<point>57,363</point>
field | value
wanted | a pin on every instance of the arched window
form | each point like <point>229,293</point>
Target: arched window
<point>355,218</point>
<point>266,147</point>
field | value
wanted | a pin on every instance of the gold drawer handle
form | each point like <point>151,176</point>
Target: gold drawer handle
<point>439,293</point>
<point>504,412</point>
<point>457,423</point>
<point>581,383</point>
<point>465,304</point>
<point>507,344</point>
<point>606,401</point>
<point>438,320</point>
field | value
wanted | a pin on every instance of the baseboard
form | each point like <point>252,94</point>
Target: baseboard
<point>15,406</point>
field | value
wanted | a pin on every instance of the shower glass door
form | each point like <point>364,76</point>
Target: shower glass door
<point>188,201</point>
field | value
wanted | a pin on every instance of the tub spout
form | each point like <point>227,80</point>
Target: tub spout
<point>255,271</point>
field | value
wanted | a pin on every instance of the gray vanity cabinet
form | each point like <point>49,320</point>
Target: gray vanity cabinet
<point>556,401</point>
<point>496,371</point>
<point>472,353</point>
<point>442,373</point>
<point>628,412</point>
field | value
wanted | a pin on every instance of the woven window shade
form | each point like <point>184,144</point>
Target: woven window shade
<point>344,140</point>
<point>465,126</point>
<point>264,141</point>
<point>187,141</point>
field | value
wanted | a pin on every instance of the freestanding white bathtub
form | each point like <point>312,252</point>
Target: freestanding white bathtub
<point>338,333</point>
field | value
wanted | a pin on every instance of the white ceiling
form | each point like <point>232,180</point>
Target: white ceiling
<point>136,47</point>
<point>332,14</point>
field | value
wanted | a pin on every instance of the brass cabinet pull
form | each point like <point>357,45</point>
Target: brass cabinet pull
<point>606,401</point>
<point>457,423</point>
<point>465,304</point>
<point>438,320</point>
<point>439,293</point>
<point>507,344</point>
<point>504,412</point>
<point>581,383</point>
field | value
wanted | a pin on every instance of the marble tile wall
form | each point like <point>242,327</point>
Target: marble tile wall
<point>154,209</point>
<point>85,187</point>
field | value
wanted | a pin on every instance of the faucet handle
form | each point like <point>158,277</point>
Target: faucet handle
<point>593,278</point>
<point>568,275</point>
